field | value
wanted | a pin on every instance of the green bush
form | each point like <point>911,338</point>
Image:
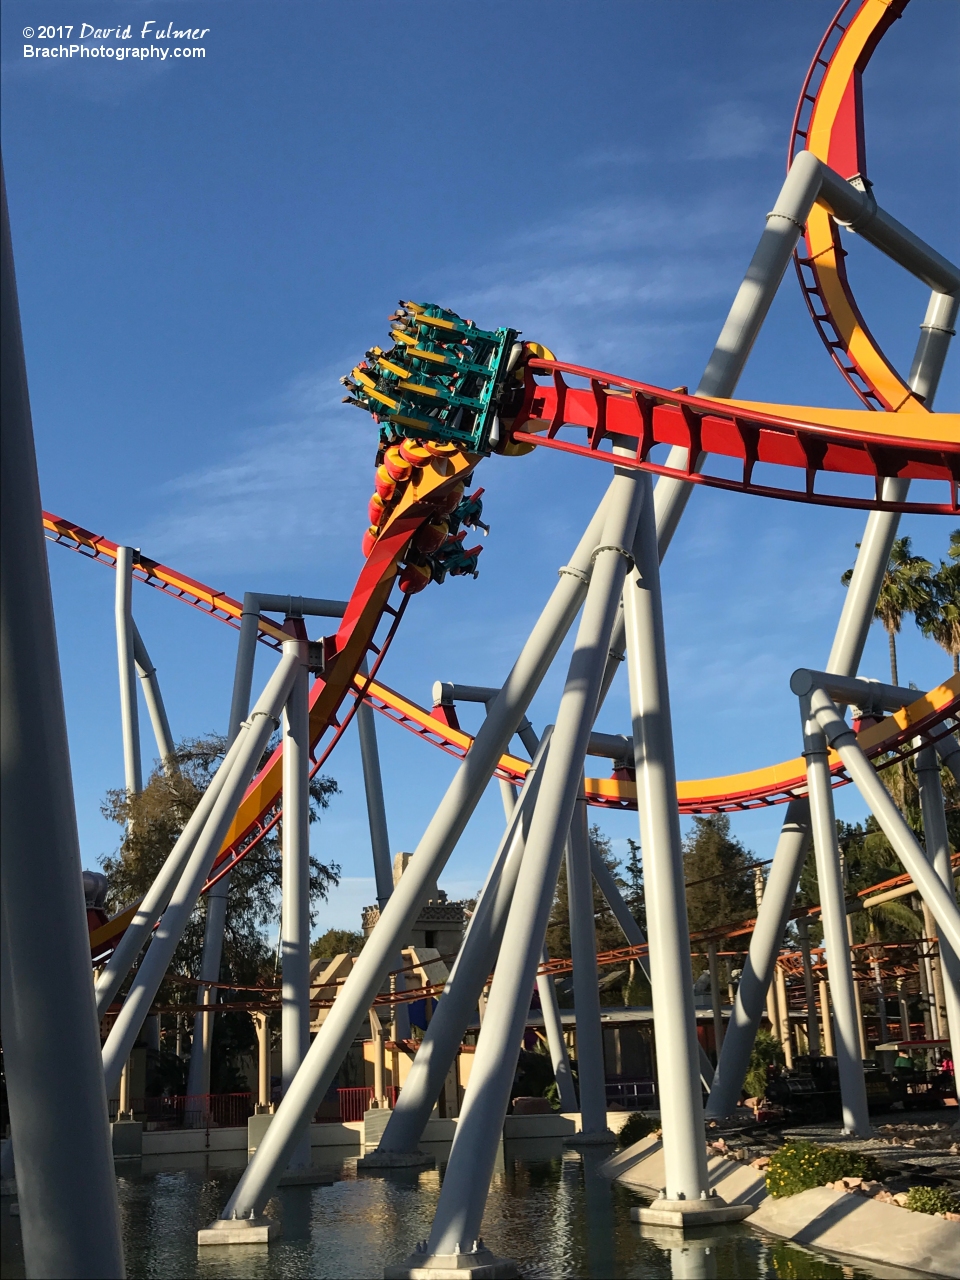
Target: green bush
<point>932,1200</point>
<point>767,1049</point>
<point>637,1127</point>
<point>797,1166</point>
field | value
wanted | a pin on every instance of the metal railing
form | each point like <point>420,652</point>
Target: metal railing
<point>191,1111</point>
<point>632,1095</point>
<point>354,1102</point>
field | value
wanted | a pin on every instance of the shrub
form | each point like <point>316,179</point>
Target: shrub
<point>637,1127</point>
<point>932,1200</point>
<point>767,1050</point>
<point>797,1166</point>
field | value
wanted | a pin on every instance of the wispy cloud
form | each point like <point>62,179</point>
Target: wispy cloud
<point>735,131</point>
<point>300,480</point>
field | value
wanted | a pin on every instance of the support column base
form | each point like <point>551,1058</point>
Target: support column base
<point>479,1263</point>
<point>683,1214</point>
<point>396,1160</point>
<point>239,1231</point>
<point>598,1138</point>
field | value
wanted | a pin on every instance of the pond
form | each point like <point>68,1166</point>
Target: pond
<point>552,1212</point>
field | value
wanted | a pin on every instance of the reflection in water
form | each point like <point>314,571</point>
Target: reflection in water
<point>554,1214</point>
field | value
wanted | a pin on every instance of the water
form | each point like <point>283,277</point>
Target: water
<point>548,1210</point>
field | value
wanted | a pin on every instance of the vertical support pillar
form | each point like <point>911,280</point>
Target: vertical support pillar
<point>853,1091</point>
<point>216,907</point>
<point>904,1011</point>
<point>586,992</point>
<point>123,1106</point>
<point>295,910</point>
<point>715,996</point>
<point>678,1075</point>
<point>261,1022</point>
<point>377,1043</point>
<point>129,720</point>
<point>376,809</point>
<point>826,1020</point>
<point>552,1024</point>
<point>58,1107</point>
<point>553,1027</point>
<point>937,846</point>
<point>783,1012</point>
<point>857,998</point>
<point>813,1031</point>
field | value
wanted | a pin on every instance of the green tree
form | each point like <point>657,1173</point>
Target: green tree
<point>633,884</point>
<point>907,587</point>
<point>153,820</point>
<point>719,874</point>
<point>939,617</point>
<point>335,942</point>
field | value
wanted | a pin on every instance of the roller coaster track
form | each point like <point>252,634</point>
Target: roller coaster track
<point>638,417</point>
<point>829,123</point>
<point>635,418</point>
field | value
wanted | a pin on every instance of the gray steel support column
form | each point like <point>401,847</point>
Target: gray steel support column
<point>471,969</point>
<point>376,809</point>
<point>546,990</point>
<point>744,321</point>
<point>463,1195</point>
<point>553,1027</point>
<point>591,1076</point>
<point>246,658</point>
<point>129,720</point>
<point>813,1029</point>
<point>215,917</point>
<point>937,844</point>
<point>58,1108</point>
<point>934,892</point>
<point>715,996</point>
<point>853,627</point>
<point>154,700</point>
<point>678,1075</point>
<point>853,1092</point>
<point>155,900</point>
<point>295,909</point>
<point>462,796</point>
<point>263,720</point>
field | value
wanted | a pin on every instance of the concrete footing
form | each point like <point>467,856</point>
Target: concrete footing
<point>239,1231</point>
<point>687,1214</point>
<point>127,1138</point>
<point>378,1159</point>
<point>479,1264</point>
<point>600,1138</point>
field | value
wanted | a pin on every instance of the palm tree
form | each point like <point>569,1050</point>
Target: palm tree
<point>907,587</point>
<point>940,619</point>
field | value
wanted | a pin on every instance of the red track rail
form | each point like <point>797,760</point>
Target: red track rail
<point>643,416</point>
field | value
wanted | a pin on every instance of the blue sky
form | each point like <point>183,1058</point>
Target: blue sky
<point>204,246</point>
